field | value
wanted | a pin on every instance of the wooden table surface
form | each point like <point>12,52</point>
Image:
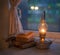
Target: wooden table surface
<point>54,48</point>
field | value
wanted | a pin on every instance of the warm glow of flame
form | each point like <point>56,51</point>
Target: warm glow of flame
<point>43,30</point>
<point>42,24</point>
<point>42,39</point>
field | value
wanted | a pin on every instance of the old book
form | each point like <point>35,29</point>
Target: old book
<point>26,45</point>
<point>24,37</point>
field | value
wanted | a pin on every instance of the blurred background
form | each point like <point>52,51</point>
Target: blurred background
<point>31,12</point>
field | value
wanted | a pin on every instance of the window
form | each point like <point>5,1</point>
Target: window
<point>34,11</point>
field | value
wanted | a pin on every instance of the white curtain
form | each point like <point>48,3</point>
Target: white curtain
<point>15,26</point>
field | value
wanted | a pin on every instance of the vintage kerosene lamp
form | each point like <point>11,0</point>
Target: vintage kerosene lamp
<point>43,43</point>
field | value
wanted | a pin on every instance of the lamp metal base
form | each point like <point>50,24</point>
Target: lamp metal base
<point>43,45</point>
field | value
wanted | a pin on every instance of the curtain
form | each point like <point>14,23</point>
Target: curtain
<point>15,26</point>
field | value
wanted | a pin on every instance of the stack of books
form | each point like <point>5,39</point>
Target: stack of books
<point>25,40</point>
